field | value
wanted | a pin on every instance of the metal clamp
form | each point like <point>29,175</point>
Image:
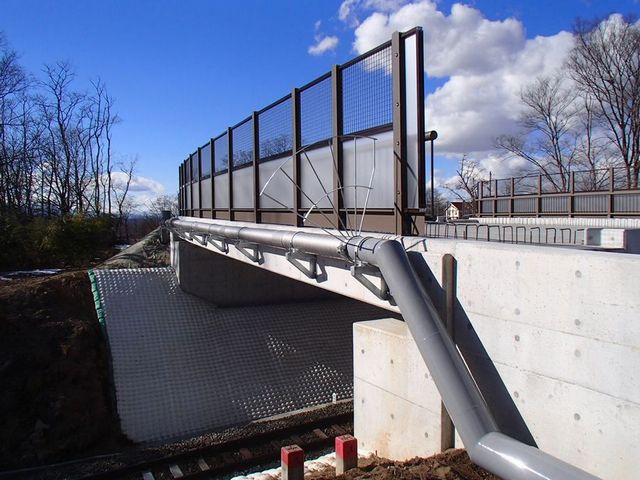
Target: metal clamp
<point>359,271</point>
<point>219,243</point>
<point>295,257</point>
<point>250,250</point>
<point>202,239</point>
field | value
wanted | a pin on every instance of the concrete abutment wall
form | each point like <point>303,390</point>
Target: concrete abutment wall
<point>227,282</point>
<point>552,337</point>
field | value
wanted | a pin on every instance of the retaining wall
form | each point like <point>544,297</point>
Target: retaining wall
<point>552,337</point>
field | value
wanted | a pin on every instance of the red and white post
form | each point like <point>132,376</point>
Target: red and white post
<point>292,461</point>
<point>346,453</point>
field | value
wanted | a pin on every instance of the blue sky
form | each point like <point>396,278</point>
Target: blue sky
<point>181,71</point>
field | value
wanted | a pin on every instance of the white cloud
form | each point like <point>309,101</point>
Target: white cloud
<point>139,184</point>
<point>323,45</point>
<point>349,9</point>
<point>485,64</point>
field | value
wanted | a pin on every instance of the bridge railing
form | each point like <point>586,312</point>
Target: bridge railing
<point>311,142</point>
<point>611,192</point>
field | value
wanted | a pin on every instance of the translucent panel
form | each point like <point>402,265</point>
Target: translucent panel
<point>274,129</point>
<point>315,112</point>
<point>205,193</point>
<point>187,190</point>
<point>589,203</point>
<point>221,191</point>
<point>316,176</point>
<point>358,165</point>
<point>221,149</point>
<point>242,142</point>
<point>195,170</point>
<point>367,93</point>
<point>205,160</point>
<point>242,188</point>
<point>626,203</point>
<point>411,121</point>
<point>196,191</point>
<point>559,204</point>
<point>280,187</point>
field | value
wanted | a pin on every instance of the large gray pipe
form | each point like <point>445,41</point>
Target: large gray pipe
<point>486,446</point>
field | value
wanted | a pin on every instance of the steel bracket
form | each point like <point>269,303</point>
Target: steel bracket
<point>250,250</point>
<point>359,271</point>
<point>219,243</point>
<point>201,239</point>
<point>296,257</point>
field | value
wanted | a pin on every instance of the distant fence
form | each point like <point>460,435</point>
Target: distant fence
<point>610,192</point>
<point>325,129</point>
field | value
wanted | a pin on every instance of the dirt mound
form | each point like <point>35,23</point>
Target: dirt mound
<point>56,397</point>
<point>53,372</point>
<point>450,465</point>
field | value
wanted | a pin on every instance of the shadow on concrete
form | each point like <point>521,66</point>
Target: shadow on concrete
<point>484,372</point>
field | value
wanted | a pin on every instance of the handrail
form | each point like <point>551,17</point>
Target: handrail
<point>487,447</point>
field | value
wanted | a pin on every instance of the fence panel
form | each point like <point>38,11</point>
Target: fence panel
<point>316,112</point>
<point>367,93</point>
<point>591,203</point>
<point>242,160</point>
<point>221,179</point>
<point>274,126</point>
<point>627,203</point>
<point>359,165</point>
<point>555,204</point>
<point>355,98</point>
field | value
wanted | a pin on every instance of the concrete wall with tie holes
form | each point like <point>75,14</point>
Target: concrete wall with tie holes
<point>552,336</point>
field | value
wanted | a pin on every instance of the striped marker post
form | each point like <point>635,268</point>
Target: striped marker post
<point>346,453</point>
<point>292,460</point>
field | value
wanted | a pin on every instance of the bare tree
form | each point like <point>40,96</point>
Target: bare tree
<point>439,201</point>
<point>163,203</point>
<point>605,65</point>
<point>466,184</point>
<point>13,85</point>
<point>548,140</point>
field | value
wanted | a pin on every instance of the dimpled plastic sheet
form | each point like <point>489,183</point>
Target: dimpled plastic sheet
<point>181,366</point>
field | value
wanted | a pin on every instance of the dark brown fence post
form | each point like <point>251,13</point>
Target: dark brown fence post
<point>296,144</point>
<point>572,191</point>
<point>336,88</point>
<point>399,133</point>
<point>230,169</point>
<point>256,172</point>
<point>512,201</point>
<point>539,199</point>
<point>199,182</point>
<point>612,184</point>
<point>190,173</point>
<point>212,170</point>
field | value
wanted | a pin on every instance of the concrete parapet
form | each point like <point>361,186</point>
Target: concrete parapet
<point>552,337</point>
<point>563,221</point>
<point>396,406</point>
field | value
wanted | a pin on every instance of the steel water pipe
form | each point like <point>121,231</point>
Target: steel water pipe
<point>500,454</point>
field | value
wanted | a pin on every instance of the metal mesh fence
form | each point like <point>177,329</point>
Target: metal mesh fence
<point>195,171</point>
<point>221,150</point>
<point>205,160</point>
<point>315,112</point>
<point>274,127</point>
<point>367,93</point>
<point>243,144</point>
